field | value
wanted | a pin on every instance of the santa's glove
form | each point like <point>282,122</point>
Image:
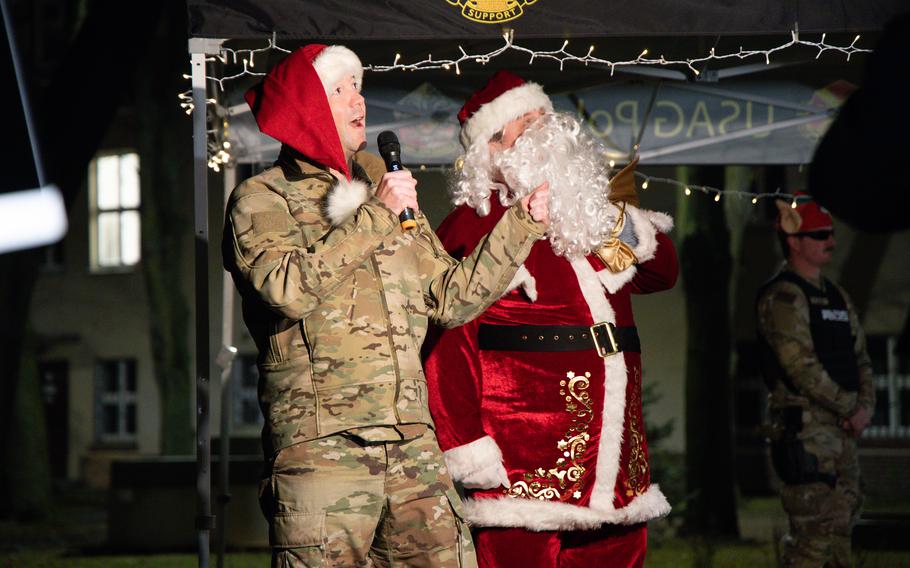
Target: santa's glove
<point>489,477</point>
<point>627,233</point>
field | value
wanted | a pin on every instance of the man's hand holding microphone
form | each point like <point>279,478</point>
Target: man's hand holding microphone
<point>398,189</point>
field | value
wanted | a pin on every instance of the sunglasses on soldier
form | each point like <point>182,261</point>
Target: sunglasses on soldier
<point>822,235</point>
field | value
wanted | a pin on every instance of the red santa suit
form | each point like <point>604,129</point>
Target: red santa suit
<point>566,425</point>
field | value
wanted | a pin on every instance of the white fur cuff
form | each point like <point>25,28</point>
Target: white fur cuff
<point>527,282</point>
<point>472,458</point>
<point>344,198</point>
<point>646,225</point>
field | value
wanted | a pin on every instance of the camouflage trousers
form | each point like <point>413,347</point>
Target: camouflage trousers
<point>822,516</point>
<point>340,501</point>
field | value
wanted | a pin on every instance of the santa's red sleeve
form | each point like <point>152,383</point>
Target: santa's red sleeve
<point>659,273</point>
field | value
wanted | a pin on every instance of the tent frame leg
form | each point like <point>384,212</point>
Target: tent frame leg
<point>198,49</point>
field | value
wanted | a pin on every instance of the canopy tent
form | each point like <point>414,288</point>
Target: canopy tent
<point>378,30</point>
<point>673,122</point>
<point>340,20</point>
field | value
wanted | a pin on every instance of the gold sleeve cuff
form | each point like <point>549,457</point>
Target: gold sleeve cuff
<point>615,254</point>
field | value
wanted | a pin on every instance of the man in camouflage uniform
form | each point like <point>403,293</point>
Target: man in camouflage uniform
<point>822,393</point>
<point>337,297</point>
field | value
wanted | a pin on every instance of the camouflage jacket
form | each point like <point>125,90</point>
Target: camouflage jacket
<point>339,309</point>
<point>783,322</point>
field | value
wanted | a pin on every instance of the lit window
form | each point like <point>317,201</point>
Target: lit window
<point>115,401</point>
<point>114,207</point>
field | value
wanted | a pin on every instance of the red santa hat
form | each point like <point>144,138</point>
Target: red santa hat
<point>504,98</point>
<point>290,104</point>
<point>806,217</point>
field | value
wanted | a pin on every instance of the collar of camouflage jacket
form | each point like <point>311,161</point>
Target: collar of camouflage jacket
<point>344,196</point>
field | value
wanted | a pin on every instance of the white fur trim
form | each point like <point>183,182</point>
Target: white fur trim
<point>527,282</point>
<point>344,198</point>
<point>336,62</point>
<point>662,221</point>
<point>470,458</point>
<point>613,281</point>
<point>645,232</point>
<point>552,516</point>
<point>615,378</point>
<point>493,116</point>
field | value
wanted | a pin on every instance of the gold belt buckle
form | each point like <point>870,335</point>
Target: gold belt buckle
<point>598,331</point>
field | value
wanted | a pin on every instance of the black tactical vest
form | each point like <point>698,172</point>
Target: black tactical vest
<point>829,324</point>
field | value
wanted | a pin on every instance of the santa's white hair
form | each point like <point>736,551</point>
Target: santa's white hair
<point>556,148</point>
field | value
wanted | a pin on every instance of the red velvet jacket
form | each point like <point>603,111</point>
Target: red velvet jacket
<point>568,424</point>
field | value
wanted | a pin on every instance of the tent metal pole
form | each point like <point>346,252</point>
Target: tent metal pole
<point>204,519</point>
<point>198,48</point>
<point>225,361</point>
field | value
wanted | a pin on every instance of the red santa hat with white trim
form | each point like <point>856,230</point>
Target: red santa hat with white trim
<point>505,97</point>
<point>291,105</point>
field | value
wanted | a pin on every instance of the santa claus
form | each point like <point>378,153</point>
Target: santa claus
<point>537,403</point>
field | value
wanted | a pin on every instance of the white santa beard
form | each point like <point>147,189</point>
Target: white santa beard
<point>558,150</point>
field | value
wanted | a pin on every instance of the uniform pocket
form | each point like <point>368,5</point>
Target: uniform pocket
<point>465,545</point>
<point>297,530</point>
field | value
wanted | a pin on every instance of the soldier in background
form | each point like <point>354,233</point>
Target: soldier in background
<point>337,297</point>
<point>822,392</point>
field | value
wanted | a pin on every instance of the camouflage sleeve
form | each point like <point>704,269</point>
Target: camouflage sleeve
<point>290,275</point>
<point>863,361</point>
<point>457,292</point>
<point>783,320</point>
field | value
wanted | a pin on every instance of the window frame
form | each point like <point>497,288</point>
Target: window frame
<point>94,212</point>
<point>122,399</point>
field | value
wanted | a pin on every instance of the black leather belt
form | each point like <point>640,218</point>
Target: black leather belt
<point>606,338</point>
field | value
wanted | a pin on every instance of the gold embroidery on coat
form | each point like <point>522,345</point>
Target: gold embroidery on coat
<point>637,465</point>
<point>563,480</point>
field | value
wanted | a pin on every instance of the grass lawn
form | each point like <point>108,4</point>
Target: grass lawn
<point>678,553</point>
<point>75,535</point>
<point>64,559</point>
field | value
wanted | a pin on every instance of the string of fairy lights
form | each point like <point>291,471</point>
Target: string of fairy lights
<point>219,146</point>
<point>713,192</point>
<point>562,56</point>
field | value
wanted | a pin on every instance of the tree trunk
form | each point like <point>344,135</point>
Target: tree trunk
<point>706,266</point>
<point>27,451</point>
<point>165,148</point>
<point>17,280</point>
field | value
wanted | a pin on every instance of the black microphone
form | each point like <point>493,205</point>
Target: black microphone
<point>390,150</point>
